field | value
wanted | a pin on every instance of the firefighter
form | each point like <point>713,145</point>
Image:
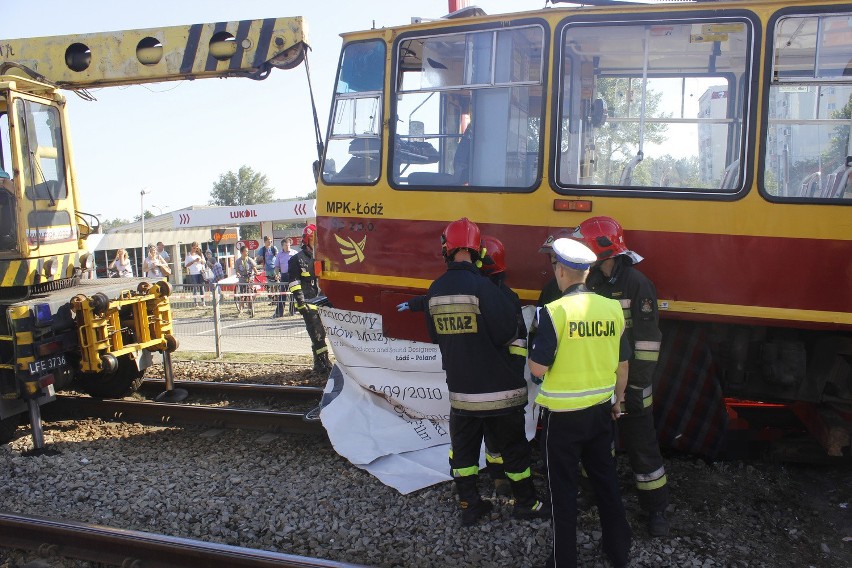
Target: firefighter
<point>494,267</point>
<point>473,324</point>
<point>304,286</point>
<point>580,356</point>
<point>615,276</point>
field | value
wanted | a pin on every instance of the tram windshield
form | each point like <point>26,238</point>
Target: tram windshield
<point>468,109</point>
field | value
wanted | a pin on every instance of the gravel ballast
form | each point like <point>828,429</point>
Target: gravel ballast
<point>296,495</point>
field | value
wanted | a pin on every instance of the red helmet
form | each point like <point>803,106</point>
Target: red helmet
<point>461,234</point>
<point>309,231</point>
<point>494,251</point>
<point>547,245</point>
<point>603,235</point>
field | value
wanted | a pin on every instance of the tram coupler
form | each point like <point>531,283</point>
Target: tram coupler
<point>171,394</point>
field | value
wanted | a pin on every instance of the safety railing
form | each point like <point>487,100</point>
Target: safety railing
<point>229,316</point>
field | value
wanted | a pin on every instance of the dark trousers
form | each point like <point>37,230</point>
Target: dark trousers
<point>569,438</point>
<point>316,331</point>
<point>507,434</point>
<point>640,440</point>
<point>493,456</point>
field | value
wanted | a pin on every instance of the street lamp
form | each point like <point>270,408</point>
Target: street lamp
<point>142,205</point>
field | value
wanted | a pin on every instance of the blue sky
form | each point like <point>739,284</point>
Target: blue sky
<point>176,139</point>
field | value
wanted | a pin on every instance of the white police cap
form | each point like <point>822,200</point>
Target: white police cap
<point>573,254</point>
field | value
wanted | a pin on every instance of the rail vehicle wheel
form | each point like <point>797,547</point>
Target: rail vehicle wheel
<point>77,302</point>
<point>100,303</point>
<point>165,288</point>
<point>171,342</point>
<point>126,379</point>
<point>8,427</point>
<point>143,288</point>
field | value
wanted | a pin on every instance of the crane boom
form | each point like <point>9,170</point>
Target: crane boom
<point>247,48</point>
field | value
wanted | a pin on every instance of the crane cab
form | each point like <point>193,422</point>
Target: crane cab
<point>41,233</point>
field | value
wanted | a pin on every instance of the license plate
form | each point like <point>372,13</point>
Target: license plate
<point>47,364</point>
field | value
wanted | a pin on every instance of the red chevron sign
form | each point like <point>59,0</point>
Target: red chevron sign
<point>300,209</point>
<point>185,218</point>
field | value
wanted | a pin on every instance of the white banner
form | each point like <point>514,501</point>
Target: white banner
<point>386,407</point>
<point>282,211</point>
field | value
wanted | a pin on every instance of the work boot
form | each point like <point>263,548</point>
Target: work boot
<point>658,524</point>
<point>472,511</point>
<point>502,488</point>
<point>527,503</point>
<point>535,510</point>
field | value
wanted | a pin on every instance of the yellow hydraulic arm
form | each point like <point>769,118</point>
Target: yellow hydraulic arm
<point>248,48</point>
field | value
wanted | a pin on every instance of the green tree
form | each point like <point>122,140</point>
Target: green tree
<point>148,215</point>
<point>617,142</point>
<point>113,223</point>
<point>668,171</point>
<point>245,187</point>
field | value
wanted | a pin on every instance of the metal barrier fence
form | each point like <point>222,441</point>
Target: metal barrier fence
<point>238,318</point>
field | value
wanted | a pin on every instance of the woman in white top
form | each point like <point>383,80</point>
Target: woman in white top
<point>121,264</point>
<point>154,266</point>
<point>194,262</point>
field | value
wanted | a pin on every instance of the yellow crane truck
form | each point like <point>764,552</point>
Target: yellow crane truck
<point>56,327</point>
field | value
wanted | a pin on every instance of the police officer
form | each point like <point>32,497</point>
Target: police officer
<point>581,355</point>
<point>551,290</point>
<point>304,286</point>
<point>615,276</point>
<point>473,323</point>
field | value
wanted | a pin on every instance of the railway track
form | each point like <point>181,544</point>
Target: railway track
<point>298,422</point>
<point>135,549</point>
<point>234,391</point>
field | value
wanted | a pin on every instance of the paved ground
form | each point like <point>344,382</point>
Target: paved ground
<point>195,329</point>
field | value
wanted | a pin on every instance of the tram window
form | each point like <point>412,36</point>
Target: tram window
<point>353,152</point>
<point>468,108</point>
<point>42,150</point>
<point>808,153</point>
<point>654,106</point>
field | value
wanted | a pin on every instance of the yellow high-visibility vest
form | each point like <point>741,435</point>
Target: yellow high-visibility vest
<point>588,331</point>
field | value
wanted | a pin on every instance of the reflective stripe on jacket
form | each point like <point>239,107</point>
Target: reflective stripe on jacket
<point>473,323</point>
<point>588,329</point>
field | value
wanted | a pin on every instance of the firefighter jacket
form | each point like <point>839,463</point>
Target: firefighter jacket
<point>474,323</point>
<point>580,340</point>
<point>638,298</point>
<point>303,280</point>
<point>518,347</point>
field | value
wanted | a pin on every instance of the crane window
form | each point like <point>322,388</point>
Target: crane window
<point>48,227</point>
<point>656,106</point>
<point>808,144</point>
<point>468,108</point>
<point>353,155</point>
<point>8,216</point>
<point>42,151</point>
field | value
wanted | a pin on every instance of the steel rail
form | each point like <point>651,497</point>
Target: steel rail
<point>234,389</point>
<point>173,414</point>
<point>136,549</point>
